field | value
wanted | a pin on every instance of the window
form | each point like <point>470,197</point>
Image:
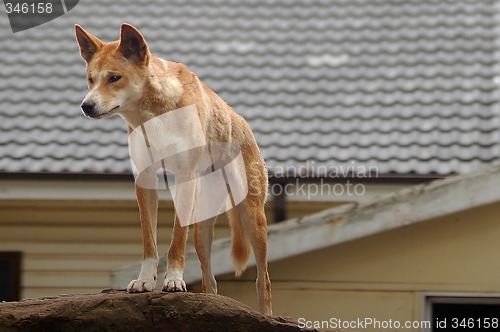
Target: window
<point>10,276</point>
<point>464,312</point>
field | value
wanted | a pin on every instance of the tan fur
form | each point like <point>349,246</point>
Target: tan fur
<point>241,247</point>
<point>147,87</point>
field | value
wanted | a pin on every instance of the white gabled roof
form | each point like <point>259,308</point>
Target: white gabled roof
<point>352,221</point>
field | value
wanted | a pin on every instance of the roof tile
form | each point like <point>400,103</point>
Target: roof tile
<point>409,86</point>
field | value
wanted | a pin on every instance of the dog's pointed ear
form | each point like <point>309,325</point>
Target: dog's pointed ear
<point>89,44</point>
<point>133,46</point>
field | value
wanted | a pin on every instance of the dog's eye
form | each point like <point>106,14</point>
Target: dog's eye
<point>90,80</point>
<point>114,78</point>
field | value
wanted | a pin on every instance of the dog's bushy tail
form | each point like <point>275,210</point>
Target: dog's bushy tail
<point>241,248</point>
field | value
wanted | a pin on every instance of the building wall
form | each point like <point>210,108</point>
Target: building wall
<point>73,245</point>
<point>384,276</point>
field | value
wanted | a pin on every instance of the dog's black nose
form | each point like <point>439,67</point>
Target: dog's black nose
<point>88,108</point>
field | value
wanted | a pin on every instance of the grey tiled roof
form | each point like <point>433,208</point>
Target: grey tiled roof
<point>408,86</point>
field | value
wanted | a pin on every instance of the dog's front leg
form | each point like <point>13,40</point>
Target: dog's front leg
<point>148,209</point>
<point>174,281</point>
<point>185,189</point>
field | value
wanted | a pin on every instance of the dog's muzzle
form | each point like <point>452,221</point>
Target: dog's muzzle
<point>88,109</point>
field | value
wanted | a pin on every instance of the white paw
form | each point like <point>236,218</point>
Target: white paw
<point>176,285</point>
<point>141,286</point>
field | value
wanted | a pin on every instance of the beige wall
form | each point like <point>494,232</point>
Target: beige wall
<point>385,276</point>
<point>72,246</point>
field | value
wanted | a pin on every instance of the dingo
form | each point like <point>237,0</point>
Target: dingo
<point>125,78</point>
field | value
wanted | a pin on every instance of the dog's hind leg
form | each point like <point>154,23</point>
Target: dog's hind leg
<point>254,222</point>
<point>175,259</point>
<point>203,237</point>
<point>147,200</point>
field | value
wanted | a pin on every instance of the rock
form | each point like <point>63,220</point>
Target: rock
<point>115,310</point>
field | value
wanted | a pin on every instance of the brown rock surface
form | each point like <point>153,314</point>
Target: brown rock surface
<point>115,310</point>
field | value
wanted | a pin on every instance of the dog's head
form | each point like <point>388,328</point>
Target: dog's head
<point>116,71</point>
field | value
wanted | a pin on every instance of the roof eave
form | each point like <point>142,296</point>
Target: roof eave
<point>86,176</point>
